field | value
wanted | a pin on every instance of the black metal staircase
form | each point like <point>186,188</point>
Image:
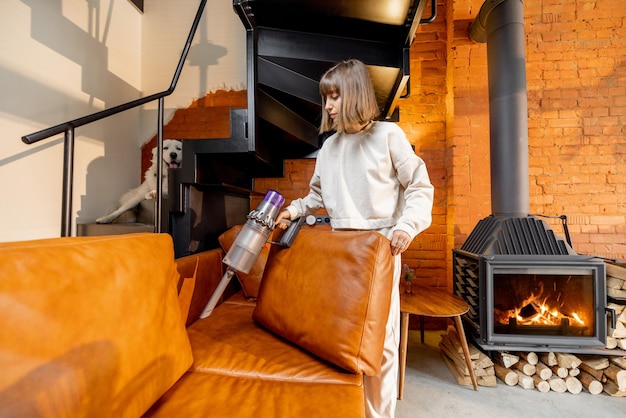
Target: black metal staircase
<point>290,44</point>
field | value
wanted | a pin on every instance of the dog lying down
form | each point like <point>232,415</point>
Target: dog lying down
<point>172,158</point>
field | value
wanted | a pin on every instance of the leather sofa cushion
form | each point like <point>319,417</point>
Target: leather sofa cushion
<point>90,326</point>
<point>250,397</point>
<point>231,342</point>
<point>330,294</point>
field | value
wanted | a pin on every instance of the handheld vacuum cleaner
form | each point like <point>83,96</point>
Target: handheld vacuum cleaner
<point>249,243</point>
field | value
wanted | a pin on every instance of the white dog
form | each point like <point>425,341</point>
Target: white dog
<point>172,158</point>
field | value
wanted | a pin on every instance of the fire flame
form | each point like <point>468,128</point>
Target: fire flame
<point>535,311</point>
<point>544,315</point>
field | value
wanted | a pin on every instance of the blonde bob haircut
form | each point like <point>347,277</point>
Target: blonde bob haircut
<point>351,81</point>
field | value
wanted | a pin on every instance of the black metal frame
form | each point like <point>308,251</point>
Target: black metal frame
<point>557,265</point>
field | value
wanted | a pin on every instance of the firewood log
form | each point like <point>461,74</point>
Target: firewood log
<point>541,384</point>
<point>617,375</point>
<point>530,357</point>
<point>590,383</point>
<point>505,359</point>
<point>595,362</point>
<point>618,332</point>
<point>557,384</point>
<point>619,360</point>
<point>508,376</point>
<point>487,381</point>
<point>560,371</point>
<point>548,359</point>
<point>524,380</point>
<point>611,342</point>
<point>567,360</point>
<point>465,380</point>
<point>614,283</point>
<point>447,346</point>
<point>597,374</point>
<point>613,270</point>
<point>575,371</point>
<point>482,361</point>
<point>456,340</point>
<point>487,371</point>
<point>543,371</point>
<point>525,367</point>
<point>573,385</point>
<point>611,388</point>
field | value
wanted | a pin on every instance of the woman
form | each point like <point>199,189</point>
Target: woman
<point>368,177</point>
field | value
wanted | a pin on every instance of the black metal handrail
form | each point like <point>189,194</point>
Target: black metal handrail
<point>67,128</point>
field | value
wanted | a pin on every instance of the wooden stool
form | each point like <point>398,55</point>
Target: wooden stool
<point>431,301</point>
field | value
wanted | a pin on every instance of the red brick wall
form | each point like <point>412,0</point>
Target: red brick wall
<point>576,79</point>
<point>577,119</point>
<point>207,117</point>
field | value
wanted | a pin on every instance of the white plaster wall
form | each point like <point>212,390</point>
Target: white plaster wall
<point>217,57</point>
<point>64,59</point>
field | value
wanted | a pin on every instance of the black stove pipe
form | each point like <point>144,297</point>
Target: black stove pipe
<point>500,23</point>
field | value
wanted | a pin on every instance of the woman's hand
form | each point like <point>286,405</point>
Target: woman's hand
<point>282,220</point>
<point>399,242</point>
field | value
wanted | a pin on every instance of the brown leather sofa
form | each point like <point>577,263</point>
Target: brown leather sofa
<point>109,327</point>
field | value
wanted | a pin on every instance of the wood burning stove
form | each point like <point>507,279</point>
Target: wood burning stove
<point>534,302</point>
<point>527,289</point>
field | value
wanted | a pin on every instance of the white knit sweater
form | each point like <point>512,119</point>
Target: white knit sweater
<point>371,180</point>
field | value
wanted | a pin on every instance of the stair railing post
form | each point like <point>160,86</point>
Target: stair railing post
<point>159,190</point>
<point>68,176</point>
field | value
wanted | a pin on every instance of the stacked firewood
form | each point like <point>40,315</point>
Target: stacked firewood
<point>562,372</point>
<point>452,354</point>
<point>616,292</point>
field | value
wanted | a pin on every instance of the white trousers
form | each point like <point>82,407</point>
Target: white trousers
<point>381,391</point>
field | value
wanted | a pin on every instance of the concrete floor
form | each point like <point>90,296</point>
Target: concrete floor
<point>430,390</point>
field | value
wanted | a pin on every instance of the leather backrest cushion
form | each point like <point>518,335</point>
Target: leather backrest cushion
<point>89,326</point>
<point>200,273</point>
<point>330,294</point>
<point>251,281</point>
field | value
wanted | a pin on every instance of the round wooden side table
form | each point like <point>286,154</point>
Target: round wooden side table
<point>435,302</point>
